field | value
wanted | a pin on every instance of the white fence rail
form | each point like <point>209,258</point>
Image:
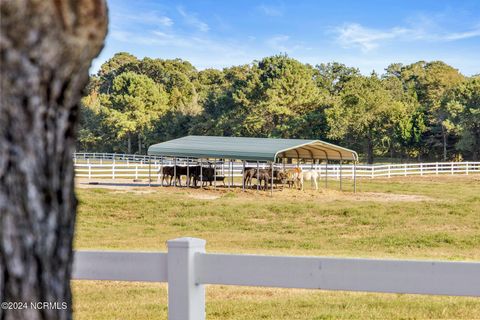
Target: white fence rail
<point>122,170</point>
<point>111,157</point>
<point>187,268</point>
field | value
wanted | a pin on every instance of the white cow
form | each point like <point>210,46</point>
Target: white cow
<point>311,175</point>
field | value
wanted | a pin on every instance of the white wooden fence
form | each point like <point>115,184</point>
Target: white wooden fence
<point>110,157</point>
<point>187,269</point>
<point>90,168</point>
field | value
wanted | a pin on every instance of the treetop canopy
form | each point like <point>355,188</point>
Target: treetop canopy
<point>255,149</point>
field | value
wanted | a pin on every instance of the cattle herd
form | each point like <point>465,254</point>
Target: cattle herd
<point>294,177</point>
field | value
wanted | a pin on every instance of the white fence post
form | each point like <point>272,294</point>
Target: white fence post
<point>452,167</point>
<point>113,170</point>
<point>389,171</point>
<point>89,171</point>
<point>436,168</point>
<point>186,298</point>
<point>421,169</point>
<point>466,168</point>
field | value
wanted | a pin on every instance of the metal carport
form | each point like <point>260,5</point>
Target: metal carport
<point>254,149</point>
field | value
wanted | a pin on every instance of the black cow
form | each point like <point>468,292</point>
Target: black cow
<point>171,172</point>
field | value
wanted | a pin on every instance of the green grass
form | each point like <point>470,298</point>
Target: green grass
<point>441,220</point>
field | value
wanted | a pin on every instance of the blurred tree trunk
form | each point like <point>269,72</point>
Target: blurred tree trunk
<point>369,148</point>
<point>444,143</point>
<point>139,144</point>
<point>46,47</point>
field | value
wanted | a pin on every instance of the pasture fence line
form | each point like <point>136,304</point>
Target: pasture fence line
<point>187,268</point>
<point>140,168</point>
<point>94,157</point>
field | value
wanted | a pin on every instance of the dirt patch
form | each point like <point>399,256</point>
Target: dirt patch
<point>387,197</point>
<point>125,185</point>
<point>120,186</point>
<point>136,191</point>
<point>205,196</point>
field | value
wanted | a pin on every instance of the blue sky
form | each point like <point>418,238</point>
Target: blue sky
<point>365,34</point>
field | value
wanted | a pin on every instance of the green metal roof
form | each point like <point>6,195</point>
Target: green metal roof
<point>255,149</point>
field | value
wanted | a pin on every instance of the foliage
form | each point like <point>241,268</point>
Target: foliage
<point>463,107</point>
<point>367,112</point>
<point>134,103</point>
<point>425,110</point>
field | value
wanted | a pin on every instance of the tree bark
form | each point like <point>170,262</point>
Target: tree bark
<point>444,143</point>
<point>369,149</point>
<point>129,143</point>
<point>139,144</point>
<point>46,48</point>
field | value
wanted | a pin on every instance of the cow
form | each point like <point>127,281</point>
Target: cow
<point>204,174</point>
<point>167,173</point>
<point>173,172</point>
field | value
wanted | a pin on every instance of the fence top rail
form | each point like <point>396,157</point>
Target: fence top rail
<point>329,273</point>
<point>395,276</point>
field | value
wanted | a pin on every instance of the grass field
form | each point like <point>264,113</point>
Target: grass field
<point>423,217</point>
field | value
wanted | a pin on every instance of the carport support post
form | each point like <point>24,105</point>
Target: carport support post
<point>326,173</point>
<point>271,192</point>
<point>161,171</point>
<point>257,174</point>
<point>341,175</point>
<point>186,298</point>
<point>201,173</point>
<point>354,177</point>
<point>149,172</point>
<point>188,173</point>
<point>243,176</point>
<point>215,174</point>
<point>230,177</point>
<point>228,170</point>
<point>175,171</point>
<point>231,170</point>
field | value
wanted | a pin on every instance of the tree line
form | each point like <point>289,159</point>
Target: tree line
<point>422,111</point>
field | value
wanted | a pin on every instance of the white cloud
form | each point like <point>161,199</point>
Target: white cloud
<point>462,35</point>
<point>169,39</point>
<point>278,43</point>
<point>148,18</point>
<point>283,43</point>
<point>367,39</point>
<point>272,11</point>
<point>192,20</point>
<point>355,35</point>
